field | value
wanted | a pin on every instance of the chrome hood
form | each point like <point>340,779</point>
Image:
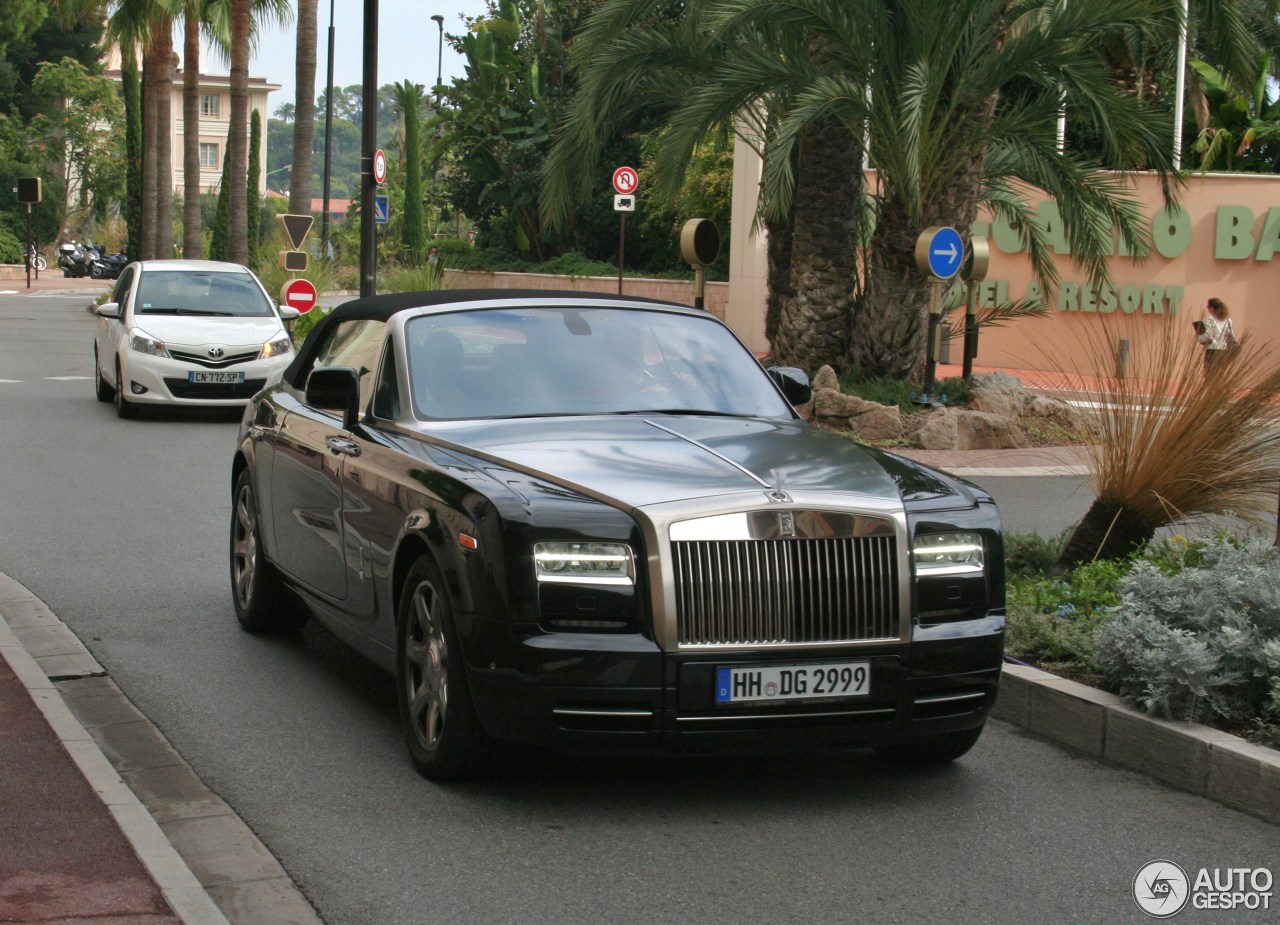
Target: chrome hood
<point>641,460</point>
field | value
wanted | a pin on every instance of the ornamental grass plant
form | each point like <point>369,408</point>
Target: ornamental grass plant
<point>1174,441</point>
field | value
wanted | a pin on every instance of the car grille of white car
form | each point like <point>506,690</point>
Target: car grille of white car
<point>203,359</point>
<point>786,591</point>
<point>214,391</point>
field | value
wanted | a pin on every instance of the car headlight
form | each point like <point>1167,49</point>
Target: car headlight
<point>584,563</point>
<point>947,554</point>
<point>142,342</point>
<point>278,347</point>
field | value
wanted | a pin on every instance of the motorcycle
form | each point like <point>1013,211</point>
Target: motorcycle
<point>75,259</point>
<point>107,266</point>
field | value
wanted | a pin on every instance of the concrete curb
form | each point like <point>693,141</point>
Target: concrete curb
<point>1188,756</point>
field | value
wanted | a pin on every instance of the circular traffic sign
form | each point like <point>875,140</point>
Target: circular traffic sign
<point>379,167</point>
<point>299,294</point>
<point>625,180</point>
<point>940,252</point>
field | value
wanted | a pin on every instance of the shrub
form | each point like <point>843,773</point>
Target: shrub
<point>10,247</point>
<point>1202,644</point>
<point>1029,555</point>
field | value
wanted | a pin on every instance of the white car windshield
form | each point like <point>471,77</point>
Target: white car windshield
<point>582,360</point>
<point>199,292</point>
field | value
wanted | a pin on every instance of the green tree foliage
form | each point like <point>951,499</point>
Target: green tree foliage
<point>1242,130</point>
<point>20,19</point>
<point>218,239</point>
<point>254,198</point>
<point>932,86</point>
<point>413,231</point>
<point>83,140</point>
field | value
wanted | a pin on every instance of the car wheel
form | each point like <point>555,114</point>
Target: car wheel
<point>440,726</point>
<point>124,407</point>
<point>938,749</point>
<point>104,391</point>
<point>263,603</point>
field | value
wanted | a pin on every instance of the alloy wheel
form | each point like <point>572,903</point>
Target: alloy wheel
<point>426,674</point>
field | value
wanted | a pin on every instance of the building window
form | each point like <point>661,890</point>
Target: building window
<point>209,104</point>
<point>208,155</point>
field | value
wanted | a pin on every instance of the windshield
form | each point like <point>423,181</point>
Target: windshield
<point>199,292</point>
<point>582,360</point>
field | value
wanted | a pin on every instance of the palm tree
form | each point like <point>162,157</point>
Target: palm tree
<point>959,100</point>
<point>284,112</point>
<point>304,126</point>
<point>195,18</point>
<point>243,17</point>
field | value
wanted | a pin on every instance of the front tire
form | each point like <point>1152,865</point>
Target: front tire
<point>96,271</point>
<point>436,712</point>
<point>104,391</point>
<point>124,408</point>
<point>938,749</point>
<point>263,603</point>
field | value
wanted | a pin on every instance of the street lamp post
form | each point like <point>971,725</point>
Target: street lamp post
<point>328,141</point>
<point>269,173</point>
<point>439,21</point>
<point>368,143</point>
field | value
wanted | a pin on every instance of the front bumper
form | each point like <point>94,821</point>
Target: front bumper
<point>165,381</point>
<point>621,694</point>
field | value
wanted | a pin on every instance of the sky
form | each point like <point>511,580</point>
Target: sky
<point>408,45</point>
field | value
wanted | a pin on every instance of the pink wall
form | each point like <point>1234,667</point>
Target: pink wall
<point>1227,245</point>
<point>672,290</point>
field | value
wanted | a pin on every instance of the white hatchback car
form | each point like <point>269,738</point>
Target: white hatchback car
<point>188,332</point>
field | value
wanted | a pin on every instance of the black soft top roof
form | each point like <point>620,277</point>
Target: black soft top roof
<point>382,307</point>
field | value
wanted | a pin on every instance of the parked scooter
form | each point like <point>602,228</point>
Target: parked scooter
<point>107,266</point>
<point>75,259</point>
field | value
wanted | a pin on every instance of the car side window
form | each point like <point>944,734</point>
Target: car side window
<point>355,344</point>
<point>122,288</point>
<point>386,396</point>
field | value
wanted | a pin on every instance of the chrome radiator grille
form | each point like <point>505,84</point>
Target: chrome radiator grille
<point>789,591</point>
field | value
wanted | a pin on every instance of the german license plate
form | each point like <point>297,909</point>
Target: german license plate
<point>830,680</point>
<point>209,377</point>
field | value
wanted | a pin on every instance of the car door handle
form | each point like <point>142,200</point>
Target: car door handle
<point>342,445</point>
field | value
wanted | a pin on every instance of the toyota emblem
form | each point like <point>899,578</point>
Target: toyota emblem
<point>215,352</point>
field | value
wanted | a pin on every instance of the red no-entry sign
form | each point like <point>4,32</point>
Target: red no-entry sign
<point>299,294</point>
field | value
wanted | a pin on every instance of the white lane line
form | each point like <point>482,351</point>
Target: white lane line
<point>65,378</point>
<point>13,381</point>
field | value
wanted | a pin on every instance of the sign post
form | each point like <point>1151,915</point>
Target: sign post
<point>700,245</point>
<point>625,181</point>
<point>296,228</point>
<point>29,193</point>
<point>973,272</point>
<point>940,254</point>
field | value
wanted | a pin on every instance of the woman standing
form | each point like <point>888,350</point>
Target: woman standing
<point>1216,333</point>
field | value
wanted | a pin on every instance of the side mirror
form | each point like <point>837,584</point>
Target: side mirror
<point>108,310</point>
<point>289,313</point>
<point>793,382</point>
<point>335,388</point>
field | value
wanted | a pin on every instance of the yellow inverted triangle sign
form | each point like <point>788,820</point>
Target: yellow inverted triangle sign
<point>296,228</point>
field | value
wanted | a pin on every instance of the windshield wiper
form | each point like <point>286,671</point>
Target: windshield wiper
<point>184,311</point>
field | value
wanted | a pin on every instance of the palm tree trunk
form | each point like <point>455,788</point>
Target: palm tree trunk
<point>814,313</point>
<point>164,137</point>
<point>238,135</point>
<point>147,237</point>
<point>191,246</point>
<point>304,122</point>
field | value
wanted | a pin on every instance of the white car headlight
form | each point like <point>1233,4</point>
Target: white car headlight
<point>275,348</point>
<point>948,554</point>
<point>584,563</point>
<point>142,342</point>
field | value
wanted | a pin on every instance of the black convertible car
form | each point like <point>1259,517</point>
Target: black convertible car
<point>594,522</point>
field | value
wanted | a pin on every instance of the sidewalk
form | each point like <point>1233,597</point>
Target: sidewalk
<point>49,281</point>
<point>101,821</point>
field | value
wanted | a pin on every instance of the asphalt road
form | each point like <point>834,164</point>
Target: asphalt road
<point>121,527</point>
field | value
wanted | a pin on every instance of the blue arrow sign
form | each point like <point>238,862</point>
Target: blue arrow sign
<point>381,209</point>
<point>946,253</point>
